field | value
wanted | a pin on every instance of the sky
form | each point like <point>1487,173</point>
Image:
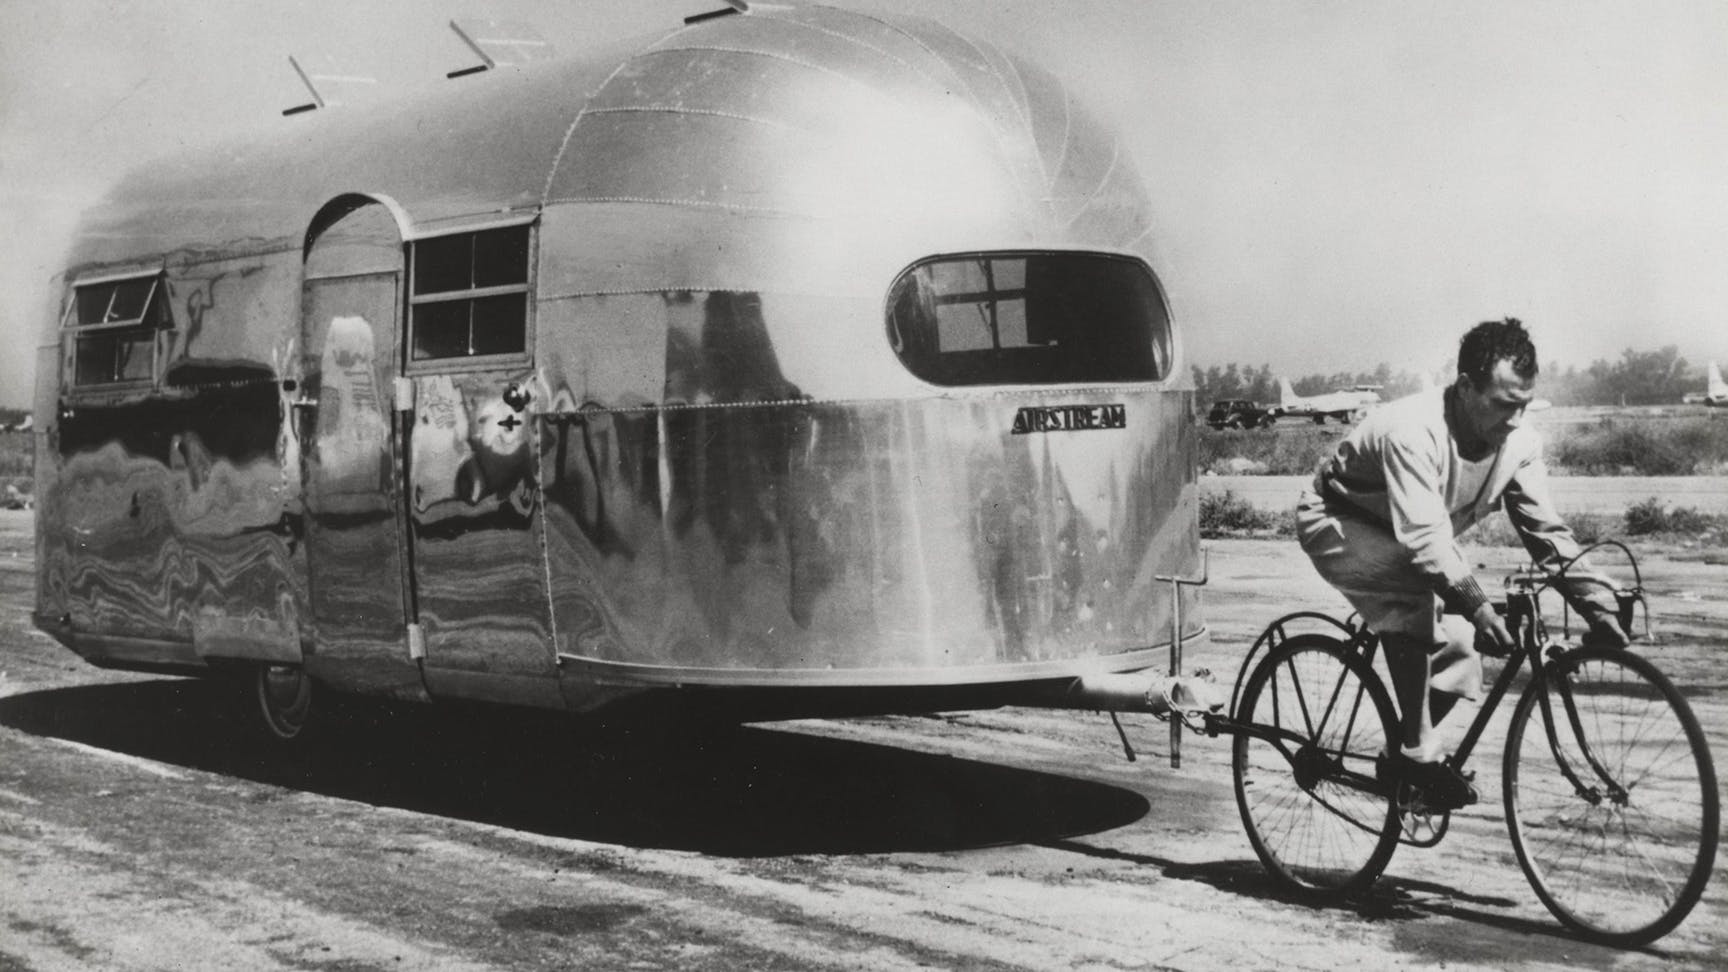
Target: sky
<point>1336,184</point>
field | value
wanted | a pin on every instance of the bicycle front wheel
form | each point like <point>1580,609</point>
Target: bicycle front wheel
<point>1317,721</point>
<point>1611,796</point>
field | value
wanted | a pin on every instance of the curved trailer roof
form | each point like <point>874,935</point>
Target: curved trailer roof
<point>807,112</point>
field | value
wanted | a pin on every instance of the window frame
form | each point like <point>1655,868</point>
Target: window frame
<point>155,316</point>
<point>414,301</point>
<point>1162,351</point>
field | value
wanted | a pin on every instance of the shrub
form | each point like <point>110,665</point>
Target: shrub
<point>1650,516</point>
<point>1289,450</point>
<point>1590,528</point>
<point>1223,514</point>
<point>17,454</point>
<point>1671,447</point>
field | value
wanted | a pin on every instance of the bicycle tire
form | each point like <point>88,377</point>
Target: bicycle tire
<point>1317,832</point>
<point>1621,870</point>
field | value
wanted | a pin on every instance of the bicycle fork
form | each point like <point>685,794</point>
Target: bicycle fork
<point>1592,794</point>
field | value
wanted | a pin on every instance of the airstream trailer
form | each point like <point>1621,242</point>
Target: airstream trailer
<point>790,363</point>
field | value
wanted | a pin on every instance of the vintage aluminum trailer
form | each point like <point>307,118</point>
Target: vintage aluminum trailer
<point>790,363</point>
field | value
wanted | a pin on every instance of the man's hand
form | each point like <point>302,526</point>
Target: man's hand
<point>1490,629</point>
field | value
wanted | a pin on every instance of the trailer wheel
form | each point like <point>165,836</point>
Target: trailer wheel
<point>284,696</point>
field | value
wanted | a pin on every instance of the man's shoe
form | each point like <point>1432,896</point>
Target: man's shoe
<point>1443,788</point>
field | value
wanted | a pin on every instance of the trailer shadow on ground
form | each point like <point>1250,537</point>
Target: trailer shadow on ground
<point>733,791</point>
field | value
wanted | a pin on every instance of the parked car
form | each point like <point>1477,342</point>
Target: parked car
<point>1238,413</point>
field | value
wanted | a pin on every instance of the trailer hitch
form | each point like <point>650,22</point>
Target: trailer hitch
<point>1176,583</point>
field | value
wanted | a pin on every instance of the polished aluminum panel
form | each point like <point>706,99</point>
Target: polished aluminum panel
<point>478,552</point>
<point>352,494</point>
<point>156,518</point>
<point>836,542</point>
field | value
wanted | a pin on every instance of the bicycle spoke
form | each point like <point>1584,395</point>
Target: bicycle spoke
<point>1301,698</point>
<point>1653,871</point>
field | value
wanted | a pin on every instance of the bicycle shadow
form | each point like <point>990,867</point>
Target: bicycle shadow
<point>747,792</point>
<point>1407,904</point>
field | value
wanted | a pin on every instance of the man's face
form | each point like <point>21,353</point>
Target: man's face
<point>1490,412</point>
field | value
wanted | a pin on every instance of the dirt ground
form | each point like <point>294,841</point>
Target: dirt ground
<point>142,828</point>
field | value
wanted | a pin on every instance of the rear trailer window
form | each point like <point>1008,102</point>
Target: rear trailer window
<point>1029,319</point>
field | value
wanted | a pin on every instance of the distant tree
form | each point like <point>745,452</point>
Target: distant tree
<point>1263,387</point>
<point>1232,387</point>
<point>1214,383</point>
<point>1638,378</point>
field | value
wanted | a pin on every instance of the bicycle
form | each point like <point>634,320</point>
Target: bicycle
<point>1609,788</point>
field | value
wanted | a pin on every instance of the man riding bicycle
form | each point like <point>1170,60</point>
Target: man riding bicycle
<point>1380,522</point>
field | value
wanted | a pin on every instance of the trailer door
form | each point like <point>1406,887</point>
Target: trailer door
<point>351,469</point>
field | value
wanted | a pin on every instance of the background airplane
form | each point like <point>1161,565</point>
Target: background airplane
<point>1345,406</point>
<point>1715,392</point>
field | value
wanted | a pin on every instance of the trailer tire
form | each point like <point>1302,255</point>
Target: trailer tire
<point>283,701</point>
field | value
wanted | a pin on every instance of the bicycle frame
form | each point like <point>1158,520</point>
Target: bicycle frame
<point>1524,617</point>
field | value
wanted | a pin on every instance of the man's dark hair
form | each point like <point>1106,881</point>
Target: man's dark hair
<point>1493,341</point>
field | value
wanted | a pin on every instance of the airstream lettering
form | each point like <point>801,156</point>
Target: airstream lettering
<point>722,366</point>
<point>1069,418</point>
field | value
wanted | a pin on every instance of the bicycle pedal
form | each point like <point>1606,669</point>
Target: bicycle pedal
<point>1422,826</point>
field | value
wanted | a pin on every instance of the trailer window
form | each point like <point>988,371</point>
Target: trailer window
<point>113,328</point>
<point>1029,318</point>
<point>470,295</point>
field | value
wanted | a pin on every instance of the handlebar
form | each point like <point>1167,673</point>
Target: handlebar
<point>1525,586</point>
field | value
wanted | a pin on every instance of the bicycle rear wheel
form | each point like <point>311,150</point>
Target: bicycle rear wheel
<point>1318,721</point>
<point>1615,823</point>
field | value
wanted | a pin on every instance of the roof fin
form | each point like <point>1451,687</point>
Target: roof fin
<point>329,84</point>
<point>732,7</point>
<point>499,43</point>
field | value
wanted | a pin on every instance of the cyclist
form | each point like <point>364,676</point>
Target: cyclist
<point>1380,523</point>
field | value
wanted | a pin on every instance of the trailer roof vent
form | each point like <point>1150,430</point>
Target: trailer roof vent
<point>330,82</point>
<point>500,43</point>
